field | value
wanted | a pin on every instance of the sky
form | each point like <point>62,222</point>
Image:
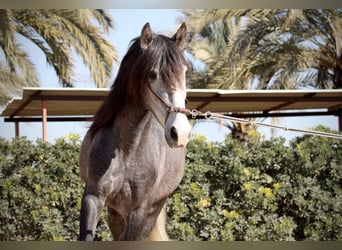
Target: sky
<point>127,25</point>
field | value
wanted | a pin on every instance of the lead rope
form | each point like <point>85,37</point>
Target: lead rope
<point>215,116</point>
<point>193,114</point>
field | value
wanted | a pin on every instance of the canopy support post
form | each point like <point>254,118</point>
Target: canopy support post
<point>44,120</point>
<point>16,126</point>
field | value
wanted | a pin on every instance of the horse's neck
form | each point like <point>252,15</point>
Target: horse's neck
<point>130,126</point>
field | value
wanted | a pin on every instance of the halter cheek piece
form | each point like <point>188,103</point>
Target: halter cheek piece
<point>189,113</point>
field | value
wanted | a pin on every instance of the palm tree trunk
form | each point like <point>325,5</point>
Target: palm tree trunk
<point>338,74</point>
<point>239,132</point>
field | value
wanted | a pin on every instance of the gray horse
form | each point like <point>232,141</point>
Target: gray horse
<point>132,158</point>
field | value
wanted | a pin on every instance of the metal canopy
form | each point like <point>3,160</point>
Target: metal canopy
<point>266,102</point>
<point>60,102</point>
<point>85,102</point>
<point>75,104</point>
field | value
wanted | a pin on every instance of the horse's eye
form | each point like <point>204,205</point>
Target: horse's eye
<point>152,75</point>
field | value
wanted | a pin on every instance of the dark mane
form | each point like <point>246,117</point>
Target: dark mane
<point>162,53</point>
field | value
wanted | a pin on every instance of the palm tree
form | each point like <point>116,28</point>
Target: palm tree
<point>208,42</point>
<point>267,49</point>
<point>276,48</point>
<point>57,33</point>
<point>211,35</point>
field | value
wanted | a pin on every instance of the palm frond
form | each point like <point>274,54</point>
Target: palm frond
<point>59,33</point>
<point>65,31</point>
<point>272,47</point>
<point>7,29</point>
<point>7,91</point>
<point>104,20</point>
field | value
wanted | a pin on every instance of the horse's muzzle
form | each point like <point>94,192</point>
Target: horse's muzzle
<point>177,130</point>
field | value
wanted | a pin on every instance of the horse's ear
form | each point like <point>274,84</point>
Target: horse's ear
<point>146,36</point>
<point>180,36</point>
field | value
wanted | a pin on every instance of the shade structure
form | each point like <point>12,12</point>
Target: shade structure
<point>79,104</point>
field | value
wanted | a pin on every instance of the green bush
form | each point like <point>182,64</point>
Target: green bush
<point>264,190</point>
<point>260,191</point>
<point>40,190</point>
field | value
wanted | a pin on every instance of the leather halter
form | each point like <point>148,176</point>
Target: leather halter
<point>168,106</point>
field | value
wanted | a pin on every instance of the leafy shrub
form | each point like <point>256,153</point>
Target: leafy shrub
<point>263,190</point>
<point>260,191</point>
<point>40,190</point>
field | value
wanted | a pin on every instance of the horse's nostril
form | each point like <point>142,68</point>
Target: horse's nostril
<point>174,134</point>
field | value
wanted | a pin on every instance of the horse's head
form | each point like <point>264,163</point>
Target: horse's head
<point>163,69</point>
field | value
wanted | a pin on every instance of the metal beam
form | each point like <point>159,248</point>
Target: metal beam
<point>205,103</point>
<point>49,119</point>
<point>208,99</point>
<point>22,106</point>
<point>67,98</point>
<point>285,104</point>
<point>239,115</point>
<point>264,99</point>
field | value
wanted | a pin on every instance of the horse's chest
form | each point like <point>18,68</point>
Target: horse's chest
<point>151,178</point>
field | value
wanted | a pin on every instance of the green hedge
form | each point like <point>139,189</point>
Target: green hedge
<point>40,190</point>
<point>264,190</point>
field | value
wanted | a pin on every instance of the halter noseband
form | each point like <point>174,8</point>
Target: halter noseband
<point>168,106</point>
